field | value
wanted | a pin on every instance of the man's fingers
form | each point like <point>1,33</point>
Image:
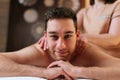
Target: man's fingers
<point>56,64</point>
<point>53,65</point>
<point>67,77</point>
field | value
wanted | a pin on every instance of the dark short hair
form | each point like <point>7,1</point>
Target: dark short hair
<point>92,2</point>
<point>58,13</point>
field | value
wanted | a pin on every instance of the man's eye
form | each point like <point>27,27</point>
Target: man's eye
<point>67,36</point>
<point>54,37</point>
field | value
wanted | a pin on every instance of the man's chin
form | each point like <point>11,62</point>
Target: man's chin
<point>61,58</point>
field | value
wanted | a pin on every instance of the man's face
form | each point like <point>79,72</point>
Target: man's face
<point>61,38</point>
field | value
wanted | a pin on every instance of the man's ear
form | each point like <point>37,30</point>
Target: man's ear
<point>45,34</point>
<point>78,34</point>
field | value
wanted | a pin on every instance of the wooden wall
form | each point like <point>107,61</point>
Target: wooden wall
<point>4,13</point>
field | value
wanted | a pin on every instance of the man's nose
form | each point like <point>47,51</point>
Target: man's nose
<point>61,44</point>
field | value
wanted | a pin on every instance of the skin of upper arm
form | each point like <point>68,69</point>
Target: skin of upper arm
<point>80,18</point>
<point>28,55</point>
<point>115,26</point>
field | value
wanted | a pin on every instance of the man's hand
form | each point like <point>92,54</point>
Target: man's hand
<point>66,66</point>
<point>54,72</point>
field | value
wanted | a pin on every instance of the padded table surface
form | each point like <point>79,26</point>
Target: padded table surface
<point>28,78</point>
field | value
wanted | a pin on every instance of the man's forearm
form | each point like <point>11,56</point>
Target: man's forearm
<point>99,73</point>
<point>11,68</point>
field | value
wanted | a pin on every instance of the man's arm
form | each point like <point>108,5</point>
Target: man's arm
<point>104,66</point>
<point>28,62</point>
<point>100,65</point>
<point>98,73</point>
<point>9,67</point>
<point>29,55</point>
<point>21,63</point>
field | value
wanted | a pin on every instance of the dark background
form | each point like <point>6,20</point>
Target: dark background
<point>22,33</point>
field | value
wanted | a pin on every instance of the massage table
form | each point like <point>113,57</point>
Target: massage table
<point>28,78</point>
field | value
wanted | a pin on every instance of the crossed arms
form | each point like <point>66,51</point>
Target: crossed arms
<point>26,62</point>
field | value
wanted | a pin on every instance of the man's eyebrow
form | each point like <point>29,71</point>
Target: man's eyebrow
<point>53,32</point>
<point>69,32</point>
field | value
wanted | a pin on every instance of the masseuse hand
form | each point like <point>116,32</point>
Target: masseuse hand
<point>54,72</point>
<point>66,66</point>
<point>43,43</point>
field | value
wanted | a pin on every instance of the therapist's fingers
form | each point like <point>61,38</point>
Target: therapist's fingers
<point>45,46</point>
<point>41,41</point>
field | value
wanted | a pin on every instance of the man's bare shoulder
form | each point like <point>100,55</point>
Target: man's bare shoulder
<point>29,55</point>
<point>38,48</point>
<point>95,55</point>
<point>94,51</point>
<point>88,55</point>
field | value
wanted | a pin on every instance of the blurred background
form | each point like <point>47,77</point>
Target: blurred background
<point>22,21</point>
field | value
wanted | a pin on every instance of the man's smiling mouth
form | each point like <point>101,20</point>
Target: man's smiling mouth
<point>61,53</point>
